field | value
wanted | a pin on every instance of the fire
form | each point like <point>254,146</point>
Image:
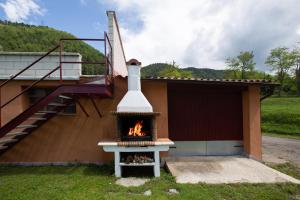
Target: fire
<point>137,129</point>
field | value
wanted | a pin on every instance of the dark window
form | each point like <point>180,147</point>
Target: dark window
<point>34,94</point>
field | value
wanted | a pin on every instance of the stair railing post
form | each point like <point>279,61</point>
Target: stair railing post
<point>106,68</point>
<point>0,108</point>
<point>60,61</point>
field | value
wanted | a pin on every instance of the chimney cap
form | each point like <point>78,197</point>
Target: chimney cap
<point>133,62</point>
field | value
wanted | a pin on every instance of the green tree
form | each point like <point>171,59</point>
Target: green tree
<point>242,63</point>
<point>233,68</point>
<point>281,60</point>
<point>19,37</point>
<point>296,57</point>
<point>173,70</point>
<point>170,72</point>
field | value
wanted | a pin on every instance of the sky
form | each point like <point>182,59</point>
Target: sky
<point>193,33</point>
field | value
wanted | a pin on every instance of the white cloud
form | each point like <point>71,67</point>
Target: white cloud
<point>202,33</point>
<point>83,2</point>
<point>298,31</point>
<point>20,10</point>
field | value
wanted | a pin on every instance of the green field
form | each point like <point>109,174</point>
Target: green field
<point>94,182</point>
<point>281,116</point>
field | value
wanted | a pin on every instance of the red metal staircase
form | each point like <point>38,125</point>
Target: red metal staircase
<point>35,115</point>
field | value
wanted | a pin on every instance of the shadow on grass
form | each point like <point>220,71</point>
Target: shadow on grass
<point>86,170</point>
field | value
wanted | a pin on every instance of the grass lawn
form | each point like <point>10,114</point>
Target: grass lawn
<point>287,168</point>
<point>281,116</point>
<point>94,182</point>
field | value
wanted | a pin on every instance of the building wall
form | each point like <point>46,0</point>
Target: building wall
<point>75,138</point>
<point>17,106</point>
<point>13,62</point>
<point>119,60</point>
<point>251,122</point>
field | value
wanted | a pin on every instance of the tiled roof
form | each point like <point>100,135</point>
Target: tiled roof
<point>212,81</point>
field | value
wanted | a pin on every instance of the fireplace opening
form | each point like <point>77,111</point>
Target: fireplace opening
<point>135,128</point>
<point>137,171</point>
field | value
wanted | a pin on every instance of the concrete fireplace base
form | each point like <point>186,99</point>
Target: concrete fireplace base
<point>117,150</point>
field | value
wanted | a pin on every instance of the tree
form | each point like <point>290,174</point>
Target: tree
<point>173,70</point>
<point>233,67</point>
<point>296,57</point>
<point>243,63</point>
<point>281,60</point>
<point>19,37</point>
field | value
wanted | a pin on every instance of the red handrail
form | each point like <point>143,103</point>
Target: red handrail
<point>107,63</point>
<point>83,39</point>
<point>20,72</point>
<point>30,86</point>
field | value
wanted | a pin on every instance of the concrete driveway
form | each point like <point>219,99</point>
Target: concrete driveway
<point>223,169</point>
<point>281,150</point>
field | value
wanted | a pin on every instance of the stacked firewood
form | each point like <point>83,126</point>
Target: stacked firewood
<point>137,158</point>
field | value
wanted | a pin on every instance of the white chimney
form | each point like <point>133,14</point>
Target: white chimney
<point>134,100</point>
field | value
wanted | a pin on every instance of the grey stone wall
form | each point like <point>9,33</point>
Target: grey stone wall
<point>13,62</point>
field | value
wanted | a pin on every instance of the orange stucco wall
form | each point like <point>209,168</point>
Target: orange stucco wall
<point>14,88</point>
<point>75,138</point>
<point>251,122</point>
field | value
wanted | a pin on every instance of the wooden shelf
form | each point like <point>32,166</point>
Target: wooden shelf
<point>137,164</point>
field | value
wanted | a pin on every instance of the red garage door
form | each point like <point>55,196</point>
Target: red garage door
<point>204,112</point>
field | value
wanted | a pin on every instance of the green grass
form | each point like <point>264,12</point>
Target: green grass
<point>94,182</point>
<point>288,168</point>
<point>281,116</point>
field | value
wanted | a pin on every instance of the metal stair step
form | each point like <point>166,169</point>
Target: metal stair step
<point>16,133</point>
<point>42,112</point>
<point>64,97</point>
<point>3,147</point>
<point>37,118</point>
<point>6,140</point>
<point>56,104</point>
<point>26,126</point>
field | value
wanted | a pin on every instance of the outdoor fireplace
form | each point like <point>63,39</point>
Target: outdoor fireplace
<point>136,120</point>
<point>137,144</point>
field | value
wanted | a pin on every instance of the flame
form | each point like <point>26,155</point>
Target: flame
<point>137,129</point>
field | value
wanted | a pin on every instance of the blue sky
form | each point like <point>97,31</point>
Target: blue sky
<point>74,16</point>
<point>197,33</point>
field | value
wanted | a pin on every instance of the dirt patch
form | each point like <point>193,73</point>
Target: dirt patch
<point>281,150</point>
<point>131,182</point>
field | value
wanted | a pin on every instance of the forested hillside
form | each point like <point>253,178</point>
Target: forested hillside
<point>165,69</point>
<point>205,72</point>
<point>21,37</point>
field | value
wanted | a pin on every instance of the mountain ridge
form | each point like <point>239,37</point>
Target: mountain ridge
<point>158,69</point>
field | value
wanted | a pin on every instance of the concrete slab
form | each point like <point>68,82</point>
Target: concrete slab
<point>223,169</point>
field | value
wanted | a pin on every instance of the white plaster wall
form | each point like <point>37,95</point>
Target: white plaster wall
<point>119,60</point>
<point>13,62</point>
